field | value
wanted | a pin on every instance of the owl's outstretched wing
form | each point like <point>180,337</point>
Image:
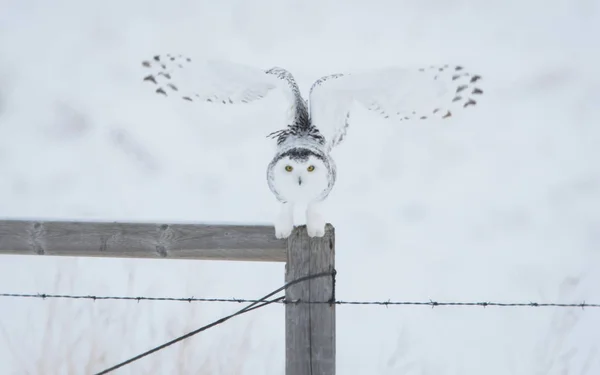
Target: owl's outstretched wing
<point>211,81</point>
<point>395,93</point>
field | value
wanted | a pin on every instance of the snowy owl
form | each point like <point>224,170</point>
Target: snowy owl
<point>302,170</point>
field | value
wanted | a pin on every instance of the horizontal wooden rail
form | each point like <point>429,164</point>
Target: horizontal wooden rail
<point>140,240</point>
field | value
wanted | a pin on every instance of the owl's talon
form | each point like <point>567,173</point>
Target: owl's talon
<point>315,224</point>
<point>316,230</point>
<point>283,230</point>
<point>284,224</point>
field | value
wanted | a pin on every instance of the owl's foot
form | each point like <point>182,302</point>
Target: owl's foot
<point>284,224</point>
<point>315,223</point>
<point>283,229</point>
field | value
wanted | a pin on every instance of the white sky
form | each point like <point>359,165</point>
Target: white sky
<point>500,204</point>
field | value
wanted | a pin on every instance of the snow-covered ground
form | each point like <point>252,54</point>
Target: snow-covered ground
<point>501,203</point>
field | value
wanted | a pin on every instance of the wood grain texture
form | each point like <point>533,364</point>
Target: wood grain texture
<point>310,328</point>
<point>139,240</point>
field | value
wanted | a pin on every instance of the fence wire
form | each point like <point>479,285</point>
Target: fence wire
<point>257,304</point>
<point>254,304</point>
<point>387,303</point>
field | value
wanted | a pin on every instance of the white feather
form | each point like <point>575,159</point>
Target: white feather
<point>212,81</point>
<point>395,93</point>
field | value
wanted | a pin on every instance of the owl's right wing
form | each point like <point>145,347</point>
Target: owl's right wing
<point>395,93</point>
<point>212,81</point>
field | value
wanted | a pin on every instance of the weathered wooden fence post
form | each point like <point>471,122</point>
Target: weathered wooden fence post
<point>310,328</point>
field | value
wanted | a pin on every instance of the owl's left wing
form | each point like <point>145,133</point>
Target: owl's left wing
<point>395,93</point>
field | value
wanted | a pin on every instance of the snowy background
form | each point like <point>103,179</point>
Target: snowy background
<point>502,203</point>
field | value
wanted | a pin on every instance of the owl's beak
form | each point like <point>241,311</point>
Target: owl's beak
<point>299,180</point>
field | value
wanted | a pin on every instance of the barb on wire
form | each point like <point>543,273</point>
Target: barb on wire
<point>264,301</point>
<point>244,300</point>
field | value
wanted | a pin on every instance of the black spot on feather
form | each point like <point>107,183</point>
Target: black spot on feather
<point>469,102</point>
<point>461,88</point>
<point>150,78</point>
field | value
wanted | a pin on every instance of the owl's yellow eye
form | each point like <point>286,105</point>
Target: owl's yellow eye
<point>310,168</point>
<point>288,168</point>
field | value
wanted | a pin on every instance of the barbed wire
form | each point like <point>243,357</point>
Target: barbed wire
<point>430,303</point>
<point>261,302</point>
<point>265,301</point>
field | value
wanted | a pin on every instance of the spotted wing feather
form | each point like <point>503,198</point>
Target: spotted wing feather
<point>400,94</point>
<point>211,81</point>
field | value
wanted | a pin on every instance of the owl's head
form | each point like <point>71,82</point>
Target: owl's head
<point>301,174</point>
